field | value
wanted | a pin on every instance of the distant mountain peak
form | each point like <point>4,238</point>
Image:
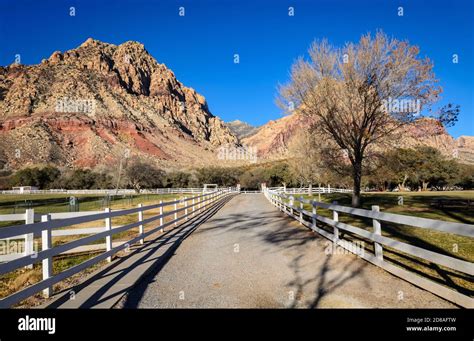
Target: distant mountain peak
<point>241,129</point>
<point>138,104</point>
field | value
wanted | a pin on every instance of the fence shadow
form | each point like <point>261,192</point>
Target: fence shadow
<point>174,236</point>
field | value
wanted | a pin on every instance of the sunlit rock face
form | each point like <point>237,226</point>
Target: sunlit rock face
<point>89,105</point>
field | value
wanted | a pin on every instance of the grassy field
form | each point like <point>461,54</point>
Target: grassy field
<point>447,206</point>
<point>54,203</point>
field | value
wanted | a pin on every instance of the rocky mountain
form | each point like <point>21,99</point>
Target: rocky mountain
<point>273,139</point>
<point>100,102</point>
<point>241,129</point>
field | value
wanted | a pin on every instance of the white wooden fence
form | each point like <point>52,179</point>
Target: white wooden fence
<point>177,190</point>
<point>50,223</point>
<point>106,191</point>
<point>301,190</point>
<point>71,191</point>
<point>309,190</point>
<point>16,247</point>
<point>287,205</point>
<point>292,190</point>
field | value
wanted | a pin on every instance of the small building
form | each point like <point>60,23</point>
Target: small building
<point>25,189</point>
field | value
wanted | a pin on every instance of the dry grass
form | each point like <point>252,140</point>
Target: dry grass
<point>22,278</point>
<point>455,208</point>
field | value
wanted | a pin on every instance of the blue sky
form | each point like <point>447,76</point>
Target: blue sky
<point>200,46</point>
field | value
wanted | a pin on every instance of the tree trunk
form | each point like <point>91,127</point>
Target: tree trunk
<point>405,178</point>
<point>357,178</point>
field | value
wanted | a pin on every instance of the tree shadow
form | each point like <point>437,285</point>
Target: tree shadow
<point>282,233</point>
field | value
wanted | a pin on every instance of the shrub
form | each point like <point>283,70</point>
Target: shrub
<point>38,177</point>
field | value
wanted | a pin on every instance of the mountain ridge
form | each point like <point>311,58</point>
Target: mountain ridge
<point>242,129</point>
<point>138,106</point>
<point>272,140</point>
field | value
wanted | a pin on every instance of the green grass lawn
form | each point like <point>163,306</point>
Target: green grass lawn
<point>447,206</point>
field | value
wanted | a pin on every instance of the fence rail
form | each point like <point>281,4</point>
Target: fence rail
<point>105,191</point>
<point>287,204</point>
<point>293,190</point>
<point>50,223</point>
<point>309,190</point>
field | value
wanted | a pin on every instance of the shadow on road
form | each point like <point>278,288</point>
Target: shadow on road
<point>282,233</point>
<point>174,236</point>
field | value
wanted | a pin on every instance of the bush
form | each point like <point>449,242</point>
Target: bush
<point>178,179</point>
<point>465,178</point>
<point>218,175</point>
<point>253,178</point>
<point>278,174</point>
<point>83,179</point>
<point>38,177</point>
<point>141,174</point>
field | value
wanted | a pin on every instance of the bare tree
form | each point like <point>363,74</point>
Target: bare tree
<point>361,93</point>
<point>304,162</point>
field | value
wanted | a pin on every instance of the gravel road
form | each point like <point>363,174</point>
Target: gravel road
<point>250,255</point>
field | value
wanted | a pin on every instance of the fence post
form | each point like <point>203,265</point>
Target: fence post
<point>378,231</point>
<point>313,219</point>
<point>29,238</point>
<point>291,204</point>
<point>140,218</point>
<point>47,263</point>
<point>161,214</point>
<point>335,217</point>
<point>108,239</point>
<point>186,207</point>
<point>301,210</point>
<point>175,213</point>
<point>193,206</point>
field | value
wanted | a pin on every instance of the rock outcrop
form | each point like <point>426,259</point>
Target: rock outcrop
<point>94,103</point>
<point>241,129</point>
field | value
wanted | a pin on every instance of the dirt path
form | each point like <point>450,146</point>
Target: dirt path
<point>250,255</point>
